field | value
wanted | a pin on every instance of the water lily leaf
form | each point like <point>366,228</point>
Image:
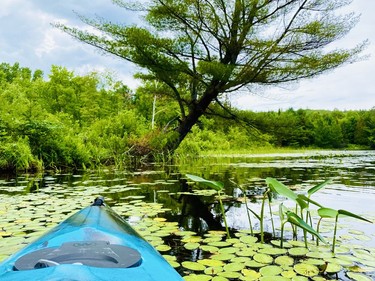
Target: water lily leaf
<point>229,274</point>
<point>298,252</point>
<point>195,266</point>
<point>217,185</point>
<point>250,274</point>
<point>254,264</point>
<point>211,262</point>
<point>248,239</point>
<point>233,266</point>
<point>210,249</point>
<point>305,269</point>
<point>263,258</point>
<point>213,270</point>
<point>270,270</point>
<point>288,274</point>
<point>273,251</point>
<point>222,257</point>
<point>228,250</point>
<point>284,260</point>
<point>246,252</point>
<point>191,246</point>
<point>163,248</point>
<point>333,268</point>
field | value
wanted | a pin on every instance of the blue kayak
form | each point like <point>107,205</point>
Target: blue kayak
<point>93,244</point>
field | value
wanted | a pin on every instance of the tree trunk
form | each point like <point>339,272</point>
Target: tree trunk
<point>196,110</point>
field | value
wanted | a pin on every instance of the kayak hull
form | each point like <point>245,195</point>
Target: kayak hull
<point>90,225</point>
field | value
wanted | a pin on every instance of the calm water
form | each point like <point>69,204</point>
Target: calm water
<point>352,187</point>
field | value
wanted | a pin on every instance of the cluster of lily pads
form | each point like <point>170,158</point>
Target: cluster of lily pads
<point>216,255</point>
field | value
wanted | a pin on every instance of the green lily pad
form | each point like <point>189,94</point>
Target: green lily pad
<point>333,268</point>
<point>284,260</point>
<point>270,270</point>
<point>191,246</point>
<point>298,251</point>
<point>211,262</point>
<point>222,257</point>
<point>234,266</point>
<point>250,274</point>
<point>288,273</point>
<point>263,258</point>
<point>213,270</point>
<point>305,269</point>
<point>273,251</point>
<point>195,266</point>
<point>210,249</point>
<point>229,274</point>
<point>254,264</point>
<point>163,248</point>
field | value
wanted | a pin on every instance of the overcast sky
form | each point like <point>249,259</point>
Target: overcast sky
<point>27,37</point>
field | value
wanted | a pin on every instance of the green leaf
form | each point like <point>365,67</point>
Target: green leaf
<point>327,212</point>
<point>296,220</point>
<point>280,188</point>
<point>217,185</point>
<point>349,214</point>
<point>316,188</point>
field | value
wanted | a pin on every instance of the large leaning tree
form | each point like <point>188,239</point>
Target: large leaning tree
<point>203,50</point>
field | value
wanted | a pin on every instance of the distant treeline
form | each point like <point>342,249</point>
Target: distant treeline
<point>72,121</point>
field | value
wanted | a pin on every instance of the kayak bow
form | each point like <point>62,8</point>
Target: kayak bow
<point>93,244</point>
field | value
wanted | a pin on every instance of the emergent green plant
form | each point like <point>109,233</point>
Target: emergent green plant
<point>218,186</point>
<point>332,213</point>
<point>288,216</point>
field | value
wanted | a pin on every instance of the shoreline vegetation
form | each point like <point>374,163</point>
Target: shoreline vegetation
<point>84,122</point>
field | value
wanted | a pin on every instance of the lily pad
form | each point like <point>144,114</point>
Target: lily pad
<point>305,269</point>
<point>234,266</point>
<point>284,260</point>
<point>298,251</point>
<point>195,266</point>
<point>270,270</point>
<point>263,258</point>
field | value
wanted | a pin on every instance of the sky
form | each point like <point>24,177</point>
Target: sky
<point>27,37</point>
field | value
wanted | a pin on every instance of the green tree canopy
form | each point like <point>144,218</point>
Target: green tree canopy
<point>204,50</point>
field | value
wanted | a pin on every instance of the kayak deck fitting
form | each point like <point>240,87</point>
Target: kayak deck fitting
<point>93,244</point>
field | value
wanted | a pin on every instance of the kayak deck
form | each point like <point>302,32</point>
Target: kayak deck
<point>93,244</point>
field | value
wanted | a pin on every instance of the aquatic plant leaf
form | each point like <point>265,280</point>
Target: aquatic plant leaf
<point>251,274</point>
<point>263,258</point>
<point>327,212</point>
<point>270,270</point>
<point>193,266</point>
<point>217,185</point>
<point>234,266</point>
<point>349,214</point>
<point>318,187</point>
<point>284,260</point>
<point>293,218</point>
<point>305,269</point>
<point>280,188</point>
<point>299,251</point>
